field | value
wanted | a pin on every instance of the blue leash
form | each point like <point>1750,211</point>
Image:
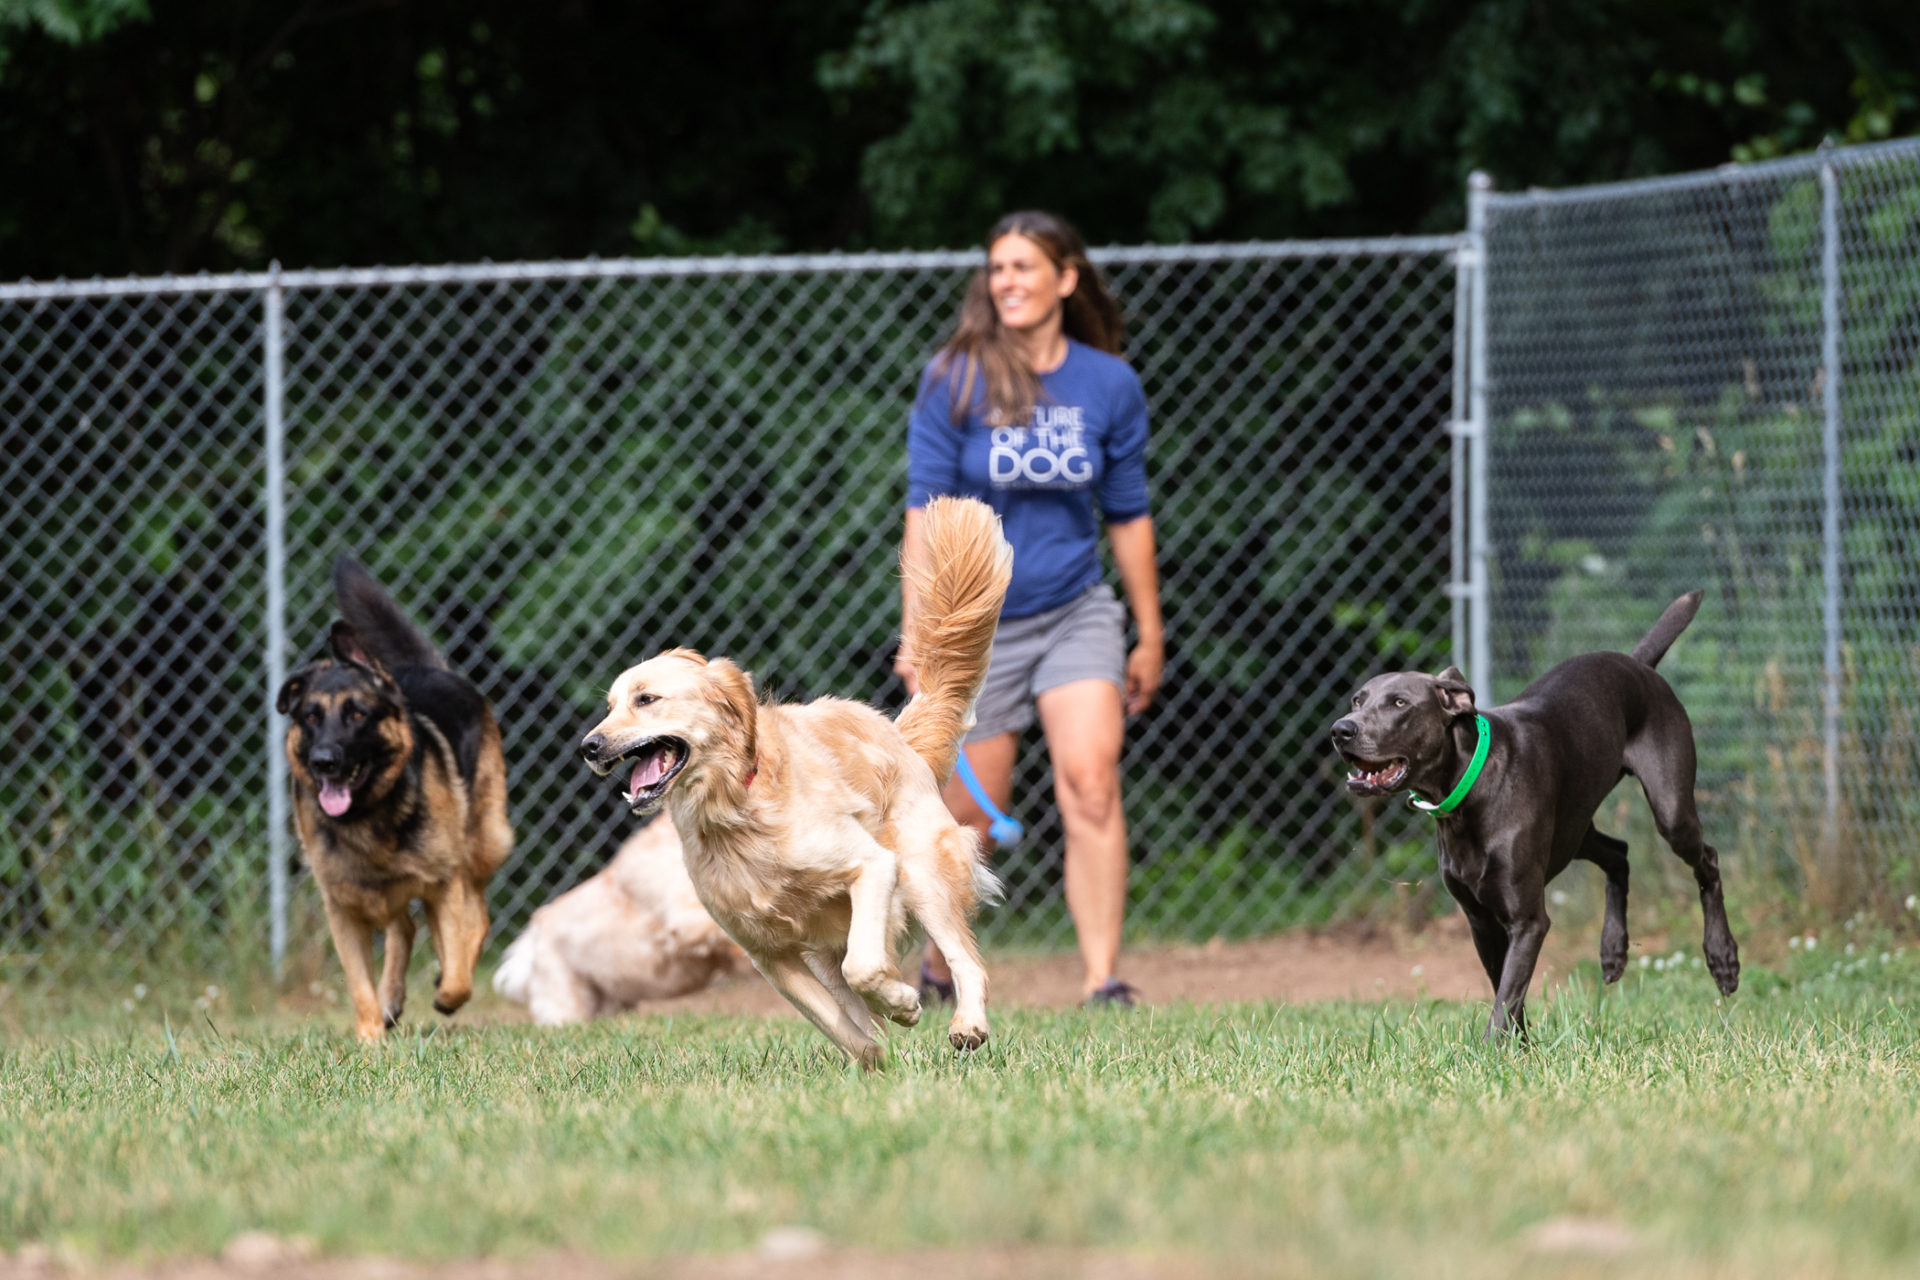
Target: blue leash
<point>1006,832</point>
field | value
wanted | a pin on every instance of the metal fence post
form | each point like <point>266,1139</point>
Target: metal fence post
<point>276,625</point>
<point>1479,557</point>
<point>1831,585</point>
<point>1458,432</point>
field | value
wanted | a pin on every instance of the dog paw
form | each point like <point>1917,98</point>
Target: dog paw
<point>966,1038</point>
<point>1726,974</point>
<point>391,1017</point>
<point>908,1017</point>
<point>1612,967</point>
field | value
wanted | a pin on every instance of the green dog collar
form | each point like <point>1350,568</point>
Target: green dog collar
<point>1452,802</point>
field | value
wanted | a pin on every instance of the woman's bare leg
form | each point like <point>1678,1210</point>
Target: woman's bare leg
<point>1085,724</point>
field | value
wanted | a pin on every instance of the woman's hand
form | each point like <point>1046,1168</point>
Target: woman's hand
<point>1145,666</point>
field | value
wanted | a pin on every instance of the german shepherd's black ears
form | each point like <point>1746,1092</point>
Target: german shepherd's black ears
<point>347,646</point>
<point>1456,695</point>
<point>290,693</point>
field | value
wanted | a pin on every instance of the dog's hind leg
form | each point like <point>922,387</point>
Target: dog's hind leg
<point>792,978</point>
<point>1610,855</point>
<point>1664,763</point>
<point>393,972</point>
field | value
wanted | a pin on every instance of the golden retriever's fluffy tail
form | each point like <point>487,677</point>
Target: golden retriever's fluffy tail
<point>959,585</point>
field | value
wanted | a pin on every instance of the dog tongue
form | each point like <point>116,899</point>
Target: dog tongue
<point>649,771</point>
<point>335,798</point>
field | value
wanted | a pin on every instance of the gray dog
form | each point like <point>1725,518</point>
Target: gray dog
<point>1545,762</point>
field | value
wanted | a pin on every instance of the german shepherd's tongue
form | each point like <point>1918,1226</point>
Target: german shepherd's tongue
<point>335,797</point>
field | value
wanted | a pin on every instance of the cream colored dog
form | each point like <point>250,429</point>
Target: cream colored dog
<point>812,832</point>
<point>636,931</point>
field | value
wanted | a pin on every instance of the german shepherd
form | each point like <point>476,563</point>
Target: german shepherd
<point>399,792</point>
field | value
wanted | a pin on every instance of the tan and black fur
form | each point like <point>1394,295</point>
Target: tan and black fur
<point>813,832</point>
<point>399,792</point>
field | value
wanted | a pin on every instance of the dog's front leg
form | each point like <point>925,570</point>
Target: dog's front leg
<point>1524,937</point>
<point>826,967</point>
<point>393,972</point>
<point>868,967</point>
<point>353,941</point>
<point>457,917</point>
<point>792,978</point>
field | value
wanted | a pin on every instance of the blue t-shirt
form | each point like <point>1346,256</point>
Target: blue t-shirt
<point>1087,439</point>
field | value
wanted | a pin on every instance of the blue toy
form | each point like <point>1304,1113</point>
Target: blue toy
<point>1006,832</point>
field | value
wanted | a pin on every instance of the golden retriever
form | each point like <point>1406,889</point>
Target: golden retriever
<point>813,832</point>
<point>634,932</point>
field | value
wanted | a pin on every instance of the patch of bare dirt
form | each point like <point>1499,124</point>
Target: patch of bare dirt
<point>1355,963</point>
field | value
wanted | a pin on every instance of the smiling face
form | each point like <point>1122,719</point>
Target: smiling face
<point>1026,286</point>
<point>672,717</point>
<point>1398,730</point>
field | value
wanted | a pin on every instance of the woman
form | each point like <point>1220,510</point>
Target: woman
<point>1030,408</point>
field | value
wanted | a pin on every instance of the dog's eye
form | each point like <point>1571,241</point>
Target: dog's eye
<point>644,699</point>
<point>311,715</point>
<point>1399,702</point>
<point>355,715</point>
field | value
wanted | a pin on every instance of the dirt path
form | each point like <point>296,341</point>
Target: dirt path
<point>1343,964</point>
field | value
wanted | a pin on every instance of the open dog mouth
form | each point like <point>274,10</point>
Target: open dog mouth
<point>336,794</point>
<point>656,763</point>
<point>1376,777</point>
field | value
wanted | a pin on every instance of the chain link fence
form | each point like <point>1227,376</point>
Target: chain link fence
<point>562,468</point>
<point>1714,381</point>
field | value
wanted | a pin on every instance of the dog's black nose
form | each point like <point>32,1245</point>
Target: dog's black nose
<point>591,748</point>
<point>324,758</point>
<point>1343,731</point>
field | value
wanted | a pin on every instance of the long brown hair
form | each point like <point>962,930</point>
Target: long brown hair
<point>982,347</point>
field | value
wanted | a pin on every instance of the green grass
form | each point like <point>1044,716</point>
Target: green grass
<point>1777,1133</point>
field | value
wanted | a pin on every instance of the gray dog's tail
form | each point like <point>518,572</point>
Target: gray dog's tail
<point>1653,645</point>
<point>383,627</point>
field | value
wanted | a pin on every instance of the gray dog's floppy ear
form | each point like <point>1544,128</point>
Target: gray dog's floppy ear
<point>1456,695</point>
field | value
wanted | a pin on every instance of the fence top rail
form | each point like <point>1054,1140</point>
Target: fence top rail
<point>1725,175</point>
<point>765,264</point>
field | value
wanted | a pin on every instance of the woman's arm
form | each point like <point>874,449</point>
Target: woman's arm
<point>1133,555</point>
<point>913,550</point>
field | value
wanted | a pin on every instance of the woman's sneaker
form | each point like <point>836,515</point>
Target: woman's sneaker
<point>934,990</point>
<point>1112,994</point>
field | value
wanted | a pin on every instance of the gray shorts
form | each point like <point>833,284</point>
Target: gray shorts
<point>1084,639</point>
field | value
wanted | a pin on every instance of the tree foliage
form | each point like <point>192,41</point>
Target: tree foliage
<point>220,134</point>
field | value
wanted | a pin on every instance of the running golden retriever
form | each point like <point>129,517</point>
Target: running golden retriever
<point>813,831</point>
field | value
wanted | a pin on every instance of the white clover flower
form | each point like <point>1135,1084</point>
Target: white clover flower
<point>139,991</point>
<point>1793,943</point>
<point>127,1005</point>
<point>213,993</point>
